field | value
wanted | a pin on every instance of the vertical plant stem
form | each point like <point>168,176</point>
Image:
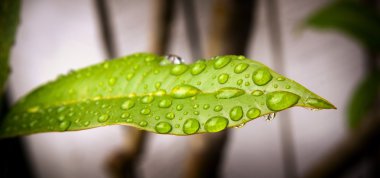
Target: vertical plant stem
<point>229,33</point>
<point>124,163</point>
<point>287,142</point>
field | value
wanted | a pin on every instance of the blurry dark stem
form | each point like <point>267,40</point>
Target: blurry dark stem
<point>191,27</point>
<point>289,162</point>
<point>124,163</point>
<point>106,28</point>
<point>229,34</point>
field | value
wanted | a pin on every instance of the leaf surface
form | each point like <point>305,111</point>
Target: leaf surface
<point>147,92</point>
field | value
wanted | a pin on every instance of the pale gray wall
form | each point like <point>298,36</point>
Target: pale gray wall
<point>56,36</point>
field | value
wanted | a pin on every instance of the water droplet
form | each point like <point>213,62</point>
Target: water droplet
<point>247,84</point>
<point>216,124</point>
<point>149,58</point>
<point>179,107</point>
<point>253,113</point>
<point>287,86</point>
<point>174,59</point>
<point>170,115</point>
<point>275,86</point>
<point>125,115</point>
<point>271,116</point>
<point>240,68</point>
<point>129,120</point>
<point>221,62</point>
<point>199,83</point>
<point>195,106</point>
<point>191,126</point>
<point>157,117</point>
<point>160,92</point>
<point>223,78</point>
<point>163,127</point>
<point>206,106</point>
<point>261,76</point>
<point>198,68</point>
<point>63,126</point>
<point>257,93</point>
<point>280,100</point>
<point>112,81</point>
<point>184,91</point>
<point>34,109</point>
<point>178,69</point>
<point>127,104</point>
<point>236,113</point>
<point>165,103</point>
<point>246,75</point>
<point>218,108</point>
<point>143,123</point>
<point>239,82</point>
<point>157,85</point>
<point>87,123</point>
<point>280,78</point>
<point>196,112</point>
<point>103,118</point>
<point>130,76</point>
<point>147,99</point>
<point>319,103</point>
<point>229,92</point>
<point>240,125</point>
<point>145,111</point>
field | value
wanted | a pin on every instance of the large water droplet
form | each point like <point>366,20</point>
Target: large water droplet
<point>319,104</point>
<point>178,69</point>
<point>184,91</point>
<point>216,124</point>
<point>165,103</point>
<point>229,92</point>
<point>128,104</point>
<point>63,126</point>
<point>198,68</point>
<point>103,118</point>
<point>236,113</point>
<point>221,62</point>
<point>240,68</point>
<point>253,113</point>
<point>280,100</point>
<point>223,78</point>
<point>147,99</point>
<point>261,76</point>
<point>163,127</point>
<point>191,126</point>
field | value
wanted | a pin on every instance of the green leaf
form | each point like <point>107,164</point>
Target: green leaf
<point>9,19</point>
<point>362,99</point>
<point>144,91</point>
<point>352,18</point>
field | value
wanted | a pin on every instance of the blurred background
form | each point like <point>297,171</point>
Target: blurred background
<point>55,37</point>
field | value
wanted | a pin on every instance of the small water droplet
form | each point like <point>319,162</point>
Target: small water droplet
<point>157,85</point>
<point>280,100</point>
<point>198,68</point>
<point>236,113</point>
<point>221,62</point>
<point>129,120</point>
<point>206,106</point>
<point>229,92</point>
<point>196,112</point>
<point>240,125</point>
<point>178,69</point>
<point>63,126</point>
<point>240,68</point>
<point>112,81</point>
<point>216,124</point>
<point>195,106</point>
<point>174,59</point>
<point>261,76</point>
<point>157,117</point>
<point>280,78</point>
<point>125,115</point>
<point>191,126</point>
<point>127,104</point>
<point>87,123</point>
<point>218,108</point>
<point>165,103</point>
<point>257,93</point>
<point>143,123</point>
<point>275,86</point>
<point>170,115</point>
<point>163,127</point>
<point>287,87</point>
<point>147,99</point>
<point>160,92</point>
<point>253,113</point>
<point>239,82</point>
<point>130,76</point>
<point>179,107</point>
<point>184,91</point>
<point>103,118</point>
<point>223,78</point>
<point>145,111</point>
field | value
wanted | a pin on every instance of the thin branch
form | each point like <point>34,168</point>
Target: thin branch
<point>106,28</point>
<point>192,28</point>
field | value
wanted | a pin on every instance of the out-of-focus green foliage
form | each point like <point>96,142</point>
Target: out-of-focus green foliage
<point>9,19</point>
<point>352,18</point>
<point>362,99</point>
<point>148,92</point>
